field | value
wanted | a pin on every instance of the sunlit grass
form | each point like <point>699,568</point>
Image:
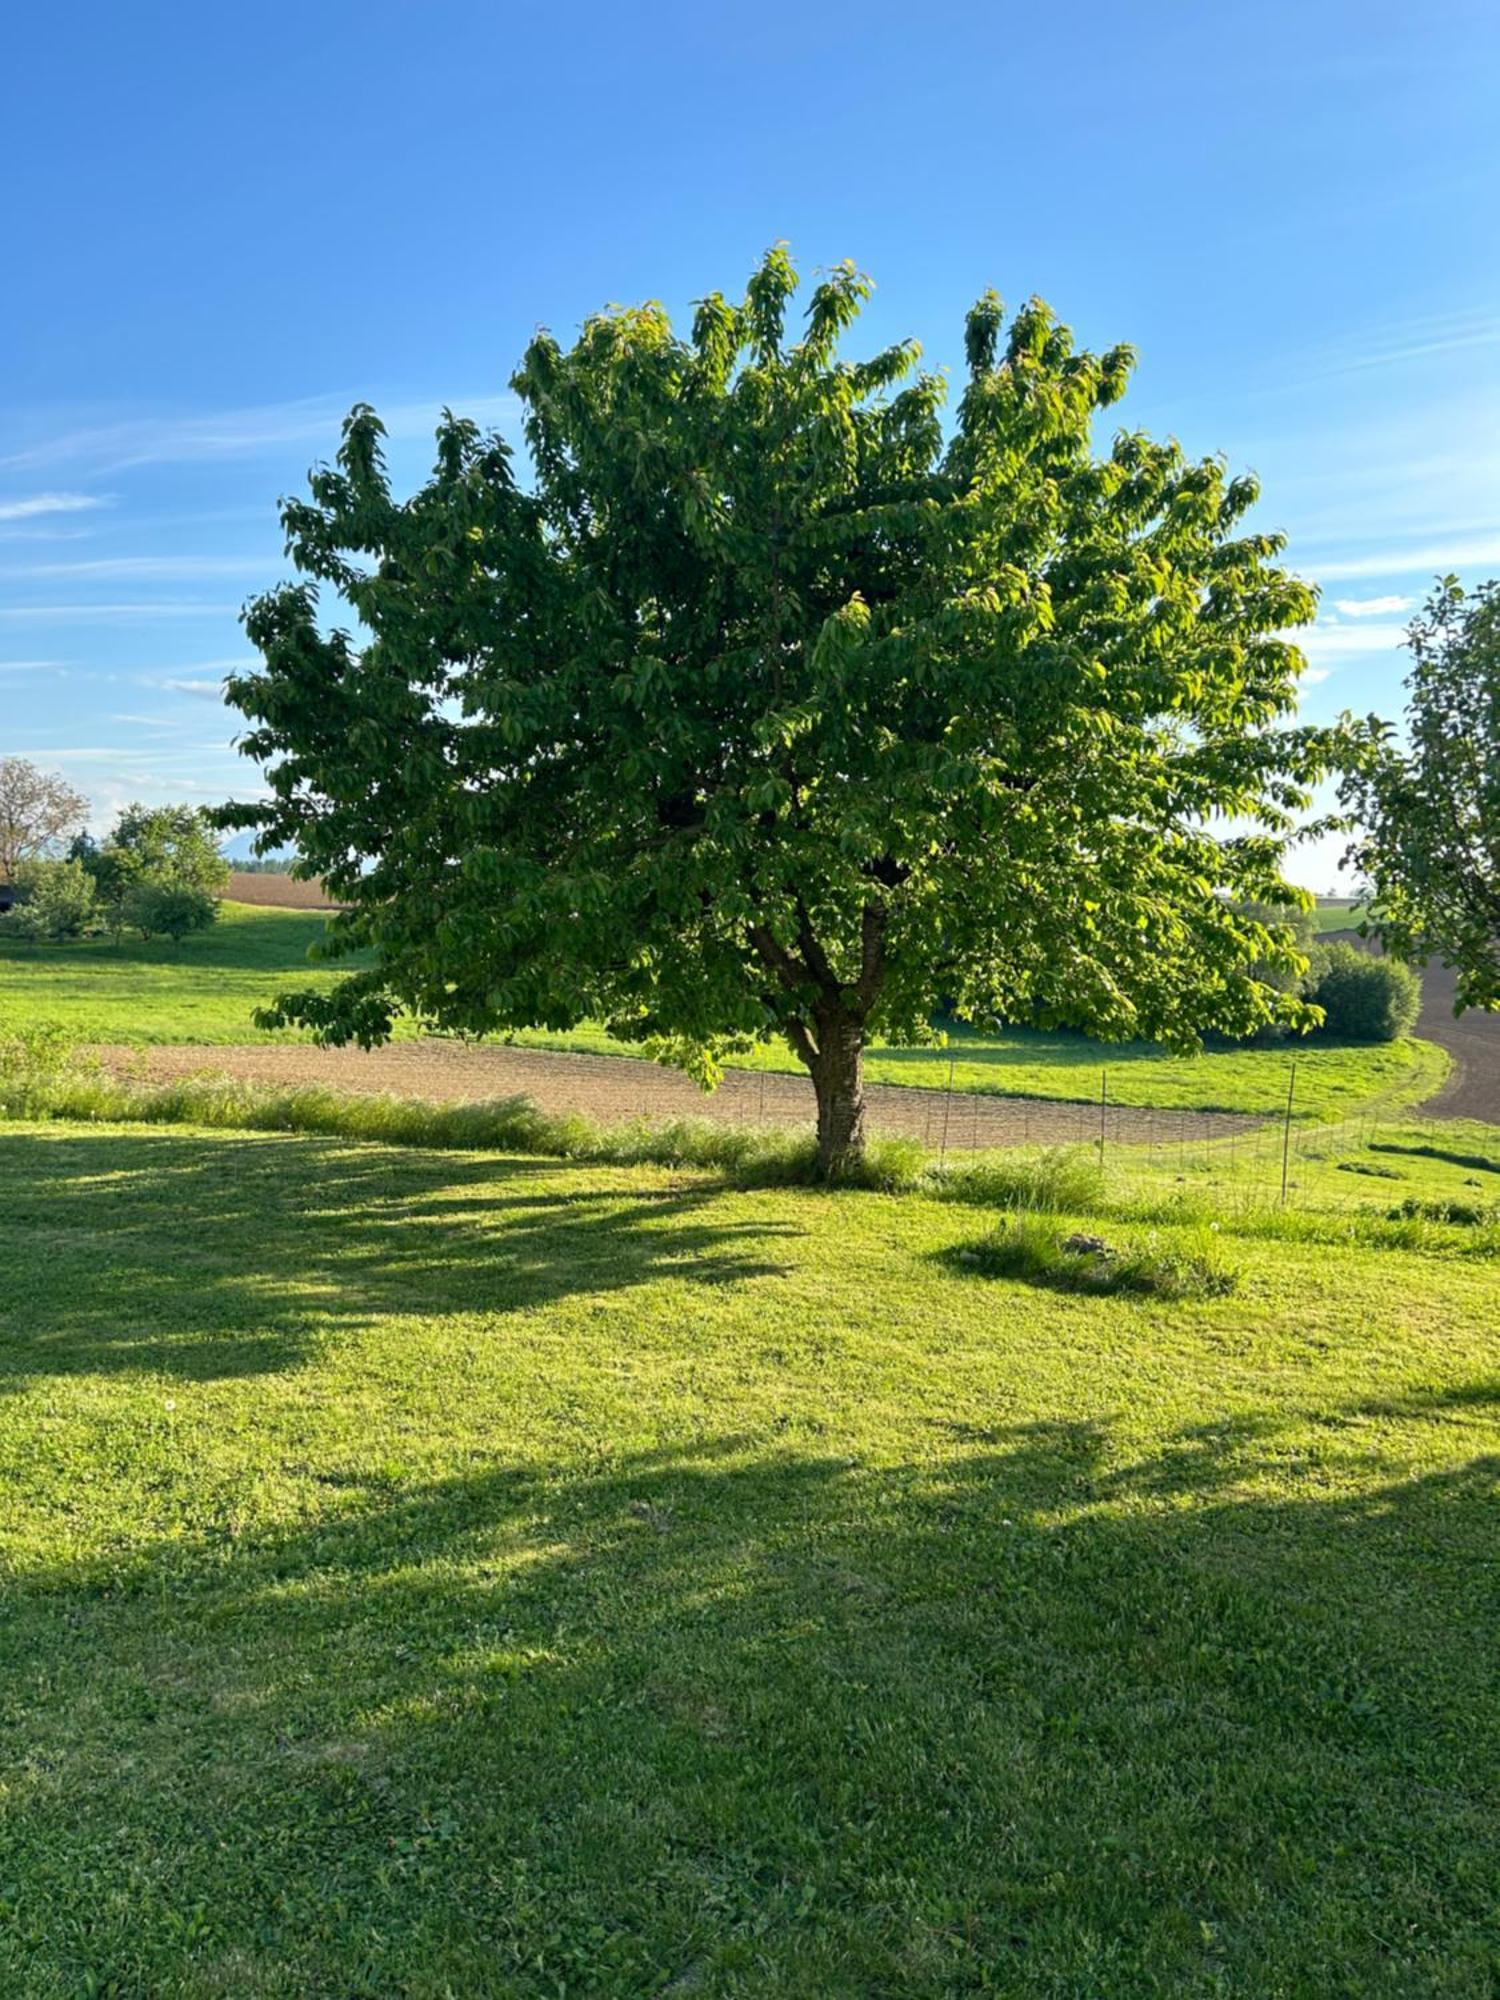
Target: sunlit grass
<point>438,1572</point>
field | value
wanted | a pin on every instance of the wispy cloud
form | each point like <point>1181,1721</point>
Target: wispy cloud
<point>69,613</point>
<point>1436,558</point>
<point>1372,607</point>
<point>49,503</point>
<point>203,679</point>
<point>160,569</point>
<point>207,690</point>
<point>30,667</point>
<point>1329,646</point>
<point>241,433</point>
<point>1395,342</point>
<point>1329,639</point>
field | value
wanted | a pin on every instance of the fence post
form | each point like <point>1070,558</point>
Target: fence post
<point>1103,1110</point>
<point>947,1107</point>
<point>1286,1130</point>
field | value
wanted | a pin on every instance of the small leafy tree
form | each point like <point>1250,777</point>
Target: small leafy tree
<point>1431,851</point>
<point>60,901</point>
<point>773,711</point>
<point>158,908</point>
<point>39,811</point>
<point>171,843</point>
<point>157,847</point>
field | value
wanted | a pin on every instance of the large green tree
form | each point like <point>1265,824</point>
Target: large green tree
<point>769,707</point>
<point>1431,807</point>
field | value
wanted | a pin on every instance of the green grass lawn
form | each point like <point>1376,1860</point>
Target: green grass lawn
<point>202,990</point>
<point>205,989</point>
<point>455,1575</point>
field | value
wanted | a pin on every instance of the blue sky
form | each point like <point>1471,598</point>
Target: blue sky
<point>224,225</point>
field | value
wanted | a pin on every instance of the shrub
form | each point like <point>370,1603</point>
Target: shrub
<point>60,901</point>
<point>1364,999</point>
<point>167,909</point>
<point>35,1053</point>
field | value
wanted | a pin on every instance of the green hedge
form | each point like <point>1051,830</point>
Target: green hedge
<point>1364,999</point>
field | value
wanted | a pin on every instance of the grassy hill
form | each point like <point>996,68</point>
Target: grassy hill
<point>205,990</point>
<point>437,1573</point>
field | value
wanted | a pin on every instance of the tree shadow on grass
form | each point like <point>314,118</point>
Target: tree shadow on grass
<point>282,1241</point>
<point>1026,1719</point>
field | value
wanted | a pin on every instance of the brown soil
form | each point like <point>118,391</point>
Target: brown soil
<point>277,892</point>
<point>613,1088</point>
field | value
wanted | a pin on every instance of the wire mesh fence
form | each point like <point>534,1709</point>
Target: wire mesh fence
<point>1282,1160</point>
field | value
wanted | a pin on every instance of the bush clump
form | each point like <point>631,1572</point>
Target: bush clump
<point>1465,1214</point>
<point>160,908</point>
<point>1364,999</point>
<point>1047,1253</point>
<point>59,901</point>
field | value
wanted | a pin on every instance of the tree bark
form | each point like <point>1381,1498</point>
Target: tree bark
<point>838,1074</point>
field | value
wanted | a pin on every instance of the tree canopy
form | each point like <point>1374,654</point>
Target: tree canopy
<point>769,705</point>
<point>1431,809</point>
<point>157,848</point>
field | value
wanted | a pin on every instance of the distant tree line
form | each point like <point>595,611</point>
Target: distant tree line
<point>158,872</point>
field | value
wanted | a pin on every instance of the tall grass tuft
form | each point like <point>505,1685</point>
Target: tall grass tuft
<point>1064,1180</point>
<point>1042,1252</point>
<point>40,1077</point>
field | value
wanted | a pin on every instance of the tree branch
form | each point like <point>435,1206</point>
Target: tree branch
<point>814,954</point>
<point>789,969</point>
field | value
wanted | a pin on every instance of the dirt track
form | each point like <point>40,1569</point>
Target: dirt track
<point>1472,1039</point>
<point>614,1088</point>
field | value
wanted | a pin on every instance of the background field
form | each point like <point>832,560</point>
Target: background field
<point>435,1573</point>
<point>204,991</point>
<point>1336,916</point>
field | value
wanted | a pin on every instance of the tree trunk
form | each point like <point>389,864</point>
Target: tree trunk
<point>838,1074</point>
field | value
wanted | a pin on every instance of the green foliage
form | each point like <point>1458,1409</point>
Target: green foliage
<point>60,901</point>
<point>1363,998</point>
<point>36,1054</point>
<point>153,850</point>
<point>158,906</point>
<point>773,712</point>
<point>1040,1252</point>
<point>1432,809</point>
<point>174,844</point>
